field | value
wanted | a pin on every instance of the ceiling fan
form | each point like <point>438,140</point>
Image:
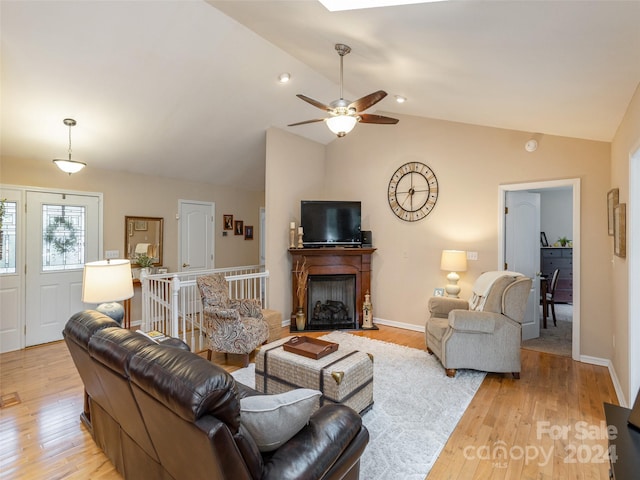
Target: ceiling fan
<point>344,114</point>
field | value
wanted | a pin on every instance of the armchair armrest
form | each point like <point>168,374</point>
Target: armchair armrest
<point>441,306</point>
<point>333,431</point>
<point>471,321</point>
<point>222,313</point>
<point>248,307</point>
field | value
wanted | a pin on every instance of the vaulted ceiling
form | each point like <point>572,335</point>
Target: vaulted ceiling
<point>186,89</point>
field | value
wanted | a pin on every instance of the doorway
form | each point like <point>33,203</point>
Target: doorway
<point>540,187</point>
<point>196,235</point>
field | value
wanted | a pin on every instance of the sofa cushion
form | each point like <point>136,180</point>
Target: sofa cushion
<point>273,419</point>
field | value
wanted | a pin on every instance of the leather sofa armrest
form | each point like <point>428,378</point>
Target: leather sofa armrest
<point>330,434</point>
<point>471,321</point>
<point>441,306</point>
<point>176,343</point>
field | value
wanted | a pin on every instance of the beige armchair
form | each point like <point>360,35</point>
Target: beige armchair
<point>231,326</point>
<point>484,333</point>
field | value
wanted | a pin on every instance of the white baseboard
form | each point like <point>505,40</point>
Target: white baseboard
<point>605,362</point>
<point>393,323</point>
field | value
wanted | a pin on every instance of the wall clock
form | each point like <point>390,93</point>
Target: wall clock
<point>413,191</point>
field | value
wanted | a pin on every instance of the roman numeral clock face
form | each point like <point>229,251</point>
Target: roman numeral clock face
<point>413,191</point>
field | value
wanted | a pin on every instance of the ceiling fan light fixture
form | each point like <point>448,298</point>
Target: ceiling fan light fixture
<point>341,124</point>
<point>67,165</point>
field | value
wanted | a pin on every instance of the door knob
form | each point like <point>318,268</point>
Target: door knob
<point>185,265</point>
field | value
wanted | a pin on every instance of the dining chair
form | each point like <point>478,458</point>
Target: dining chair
<point>551,290</point>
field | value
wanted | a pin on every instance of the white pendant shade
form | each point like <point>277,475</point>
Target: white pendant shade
<point>341,124</point>
<point>69,166</point>
<point>107,281</point>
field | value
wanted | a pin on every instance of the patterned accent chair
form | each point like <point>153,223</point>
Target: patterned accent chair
<point>231,326</point>
<point>484,333</point>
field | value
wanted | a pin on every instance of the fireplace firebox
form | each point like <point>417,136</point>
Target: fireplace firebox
<point>331,302</point>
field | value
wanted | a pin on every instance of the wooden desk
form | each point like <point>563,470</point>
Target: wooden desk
<point>126,322</point>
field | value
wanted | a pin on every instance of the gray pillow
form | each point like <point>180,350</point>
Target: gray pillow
<point>273,419</point>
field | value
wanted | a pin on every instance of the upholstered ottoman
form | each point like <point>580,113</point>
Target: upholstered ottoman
<point>344,376</point>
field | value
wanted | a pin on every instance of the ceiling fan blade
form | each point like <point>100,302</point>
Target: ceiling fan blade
<point>368,101</point>
<point>315,103</point>
<point>368,118</point>
<point>306,121</point>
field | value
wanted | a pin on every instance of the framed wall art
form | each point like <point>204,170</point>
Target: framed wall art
<point>248,232</point>
<point>620,230</point>
<point>227,222</point>
<point>612,201</point>
<point>238,228</point>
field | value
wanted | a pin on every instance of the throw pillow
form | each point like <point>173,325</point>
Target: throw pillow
<point>273,419</point>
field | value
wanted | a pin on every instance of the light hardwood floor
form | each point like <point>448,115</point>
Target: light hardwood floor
<point>41,437</point>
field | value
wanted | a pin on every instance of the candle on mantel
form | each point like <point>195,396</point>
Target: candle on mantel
<point>292,225</point>
<point>299,230</point>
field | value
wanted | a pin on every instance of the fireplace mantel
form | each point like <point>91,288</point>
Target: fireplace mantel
<point>333,261</point>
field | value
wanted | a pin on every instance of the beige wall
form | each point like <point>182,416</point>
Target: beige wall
<point>140,195</point>
<point>294,171</point>
<point>470,163</point>
<point>625,144</point>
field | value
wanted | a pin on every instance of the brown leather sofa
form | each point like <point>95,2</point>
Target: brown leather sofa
<point>159,411</point>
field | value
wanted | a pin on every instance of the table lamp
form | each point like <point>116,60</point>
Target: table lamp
<point>453,261</point>
<point>107,282</point>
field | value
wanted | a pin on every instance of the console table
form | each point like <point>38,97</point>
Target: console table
<point>626,446</point>
<point>334,261</point>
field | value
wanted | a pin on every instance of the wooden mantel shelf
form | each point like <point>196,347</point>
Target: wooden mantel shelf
<point>334,261</point>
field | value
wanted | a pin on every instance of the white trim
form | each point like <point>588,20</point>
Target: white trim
<point>604,362</point>
<point>633,272</point>
<point>393,323</point>
<point>569,182</point>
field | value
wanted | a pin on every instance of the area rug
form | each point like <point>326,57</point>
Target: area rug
<point>416,407</point>
<point>555,339</point>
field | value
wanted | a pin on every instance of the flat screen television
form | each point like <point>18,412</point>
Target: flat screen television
<point>327,223</point>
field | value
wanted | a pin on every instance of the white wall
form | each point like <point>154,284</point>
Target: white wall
<point>556,214</point>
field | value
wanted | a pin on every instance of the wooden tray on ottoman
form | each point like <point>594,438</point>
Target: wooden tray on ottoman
<point>310,347</point>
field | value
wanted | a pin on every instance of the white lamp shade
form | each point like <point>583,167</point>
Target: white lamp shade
<point>69,166</point>
<point>107,281</point>
<point>454,261</point>
<point>341,124</point>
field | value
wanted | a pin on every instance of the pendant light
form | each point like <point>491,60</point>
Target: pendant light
<point>67,165</point>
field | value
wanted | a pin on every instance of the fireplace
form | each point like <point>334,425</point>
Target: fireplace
<point>339,277</point>
<point>331,302</point>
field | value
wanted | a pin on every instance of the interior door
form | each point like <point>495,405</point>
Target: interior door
<point>522,251</point>
<point>196,235</point>
<point>63,233</point>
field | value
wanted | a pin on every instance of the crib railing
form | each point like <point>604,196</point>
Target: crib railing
<point>171,302</point>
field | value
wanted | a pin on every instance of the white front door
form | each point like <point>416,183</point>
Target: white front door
<point>63,233</point>
<point>522,251</point>
<point>196,235</point>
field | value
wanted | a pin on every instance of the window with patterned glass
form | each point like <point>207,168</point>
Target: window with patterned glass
<point>63,237</point>
<point>8,238</point>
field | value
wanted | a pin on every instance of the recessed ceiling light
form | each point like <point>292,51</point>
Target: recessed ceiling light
<point>400,99</point>
<point>284,77</point>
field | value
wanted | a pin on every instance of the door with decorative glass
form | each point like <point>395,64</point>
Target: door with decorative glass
<point>63,233</point>
<point>11,300</point>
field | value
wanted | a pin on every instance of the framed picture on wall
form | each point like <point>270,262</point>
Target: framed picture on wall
<point>227,222</point>
<point>620,230</point>
<point>543,239</point>
<point>612,201</point>
<point>140,226</point>
<point>248,232</point>
<point>238,228</point>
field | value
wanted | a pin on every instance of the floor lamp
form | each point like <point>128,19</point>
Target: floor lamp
<point>453,261</point>
<point>107,282</point>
